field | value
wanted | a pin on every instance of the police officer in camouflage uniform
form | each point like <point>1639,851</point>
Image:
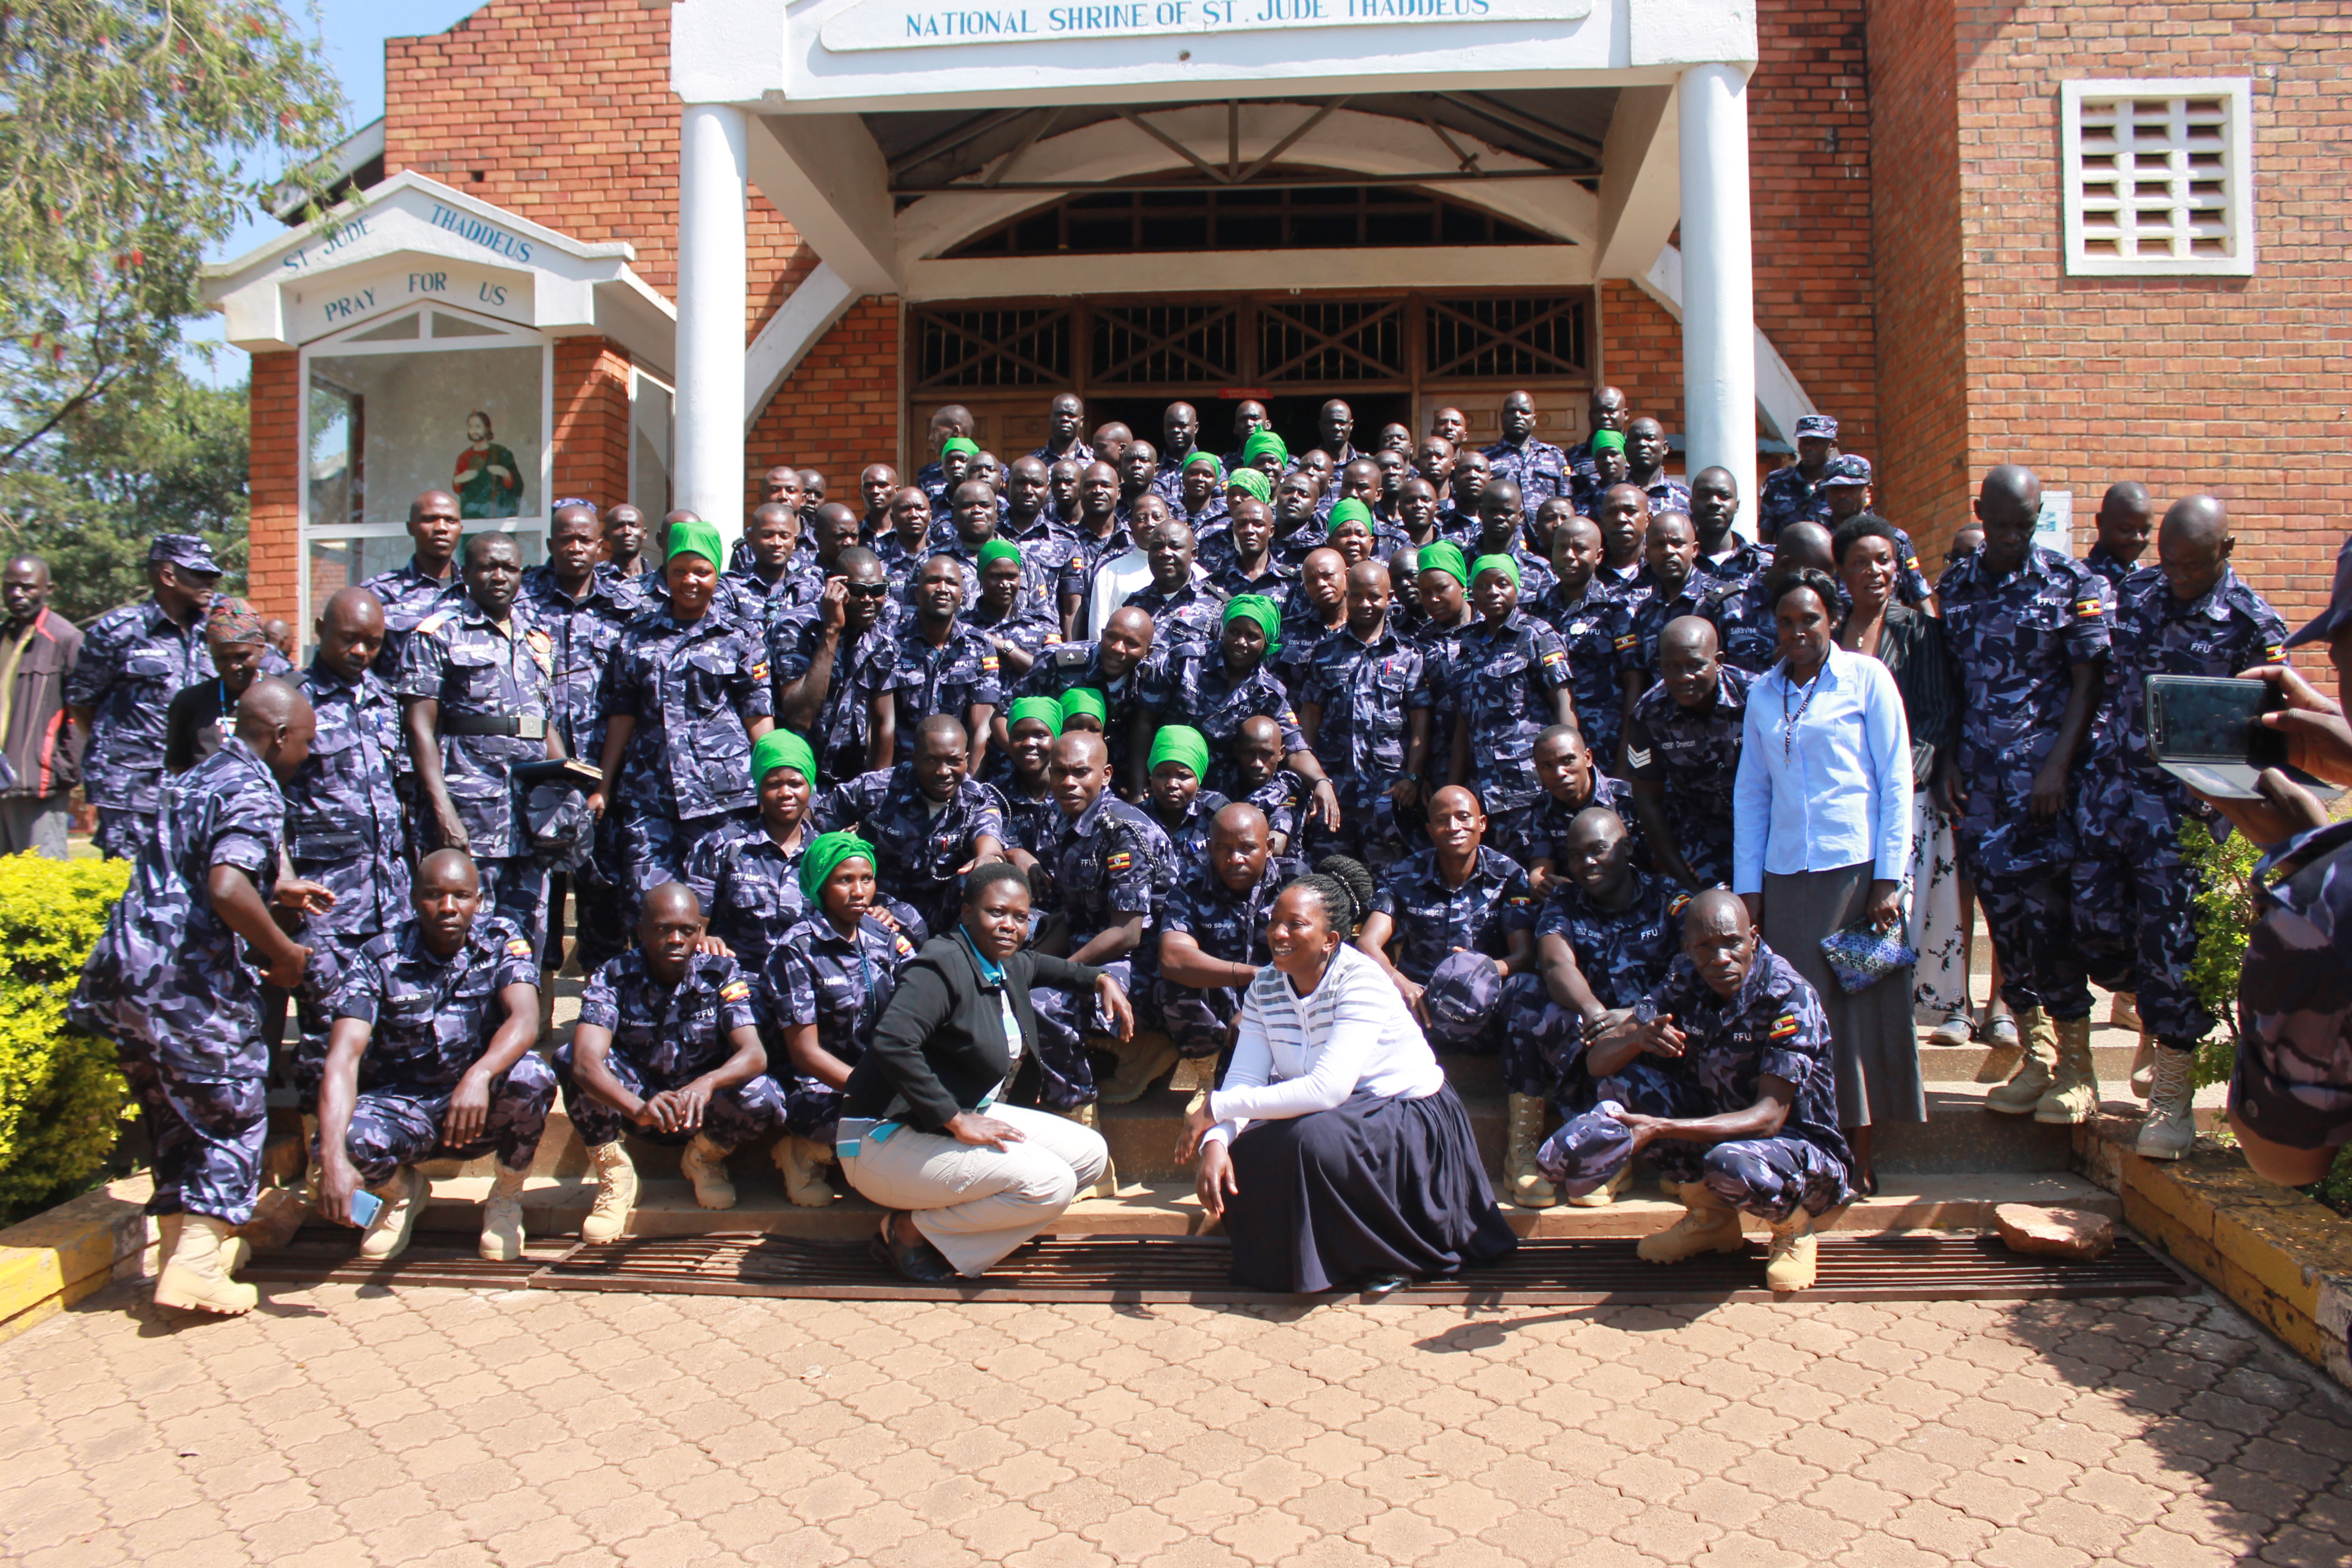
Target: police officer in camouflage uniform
<point>2134,896</point>
<point>478,692</point>
<point>414,590</point>
<point>1537,467</point>
<point>1458,894</point>
<point>1573,784</point>
<point>1676,590</point>
<point>1604,939</point>
<point>167,983</point>
<point>1609,410</point>
<point>934,666</point>
<point>2126,522</point>
<point>1509,683</point>
<point>1186,609</point>
<point>825,987</point>
<point>2028,629</point>
<point>685,697</point>
<point>1213,931</point>
<point>1683,740</point>
<point>1725,1073</point>
<point>1723,555</point>
<point>667,1049</point>
<point>430,1059</point>
<point>1580,610</point>
<point>133,661</point>
<point>1366,705</point>
<point>343,823</point>
<point>1793,494</point>
<point>818,664</point>
<point>928,819</point>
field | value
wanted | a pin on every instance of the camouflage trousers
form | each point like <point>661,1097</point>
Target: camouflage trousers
<point>1065,1078</point>
<point>1769,1177</point>
<point>1371,827</point>
<point>1543,1044</point>
<point>120,832</point>
<point>1512,831</point>
<point>2135,921</point>
<point>1199,1020</point>
<point>2029,915</point>
<point>399,1125</point>
<point>207,1138</point>
<point>742,1114</point>
<point>654,850</point>
<point>515,889</point>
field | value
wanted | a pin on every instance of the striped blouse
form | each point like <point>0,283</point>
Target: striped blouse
<point>1296,1055</point>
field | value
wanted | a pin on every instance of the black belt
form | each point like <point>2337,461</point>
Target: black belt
<point>527,727</point>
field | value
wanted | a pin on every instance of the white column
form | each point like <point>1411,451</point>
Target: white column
<point>1718,281</point>
<point>713,197</point>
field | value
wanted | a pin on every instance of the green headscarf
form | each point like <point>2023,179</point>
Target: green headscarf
<point>1260,609</point>
<point>826,855</point>
<point>1503,563</point>
<point>1251,483</point>
<point>1260,443</point>
<point>999,549</point>
<point>1608,441</point>
<point>1215,464</point>
<point>1180,744</point>
<point>696,538</point>
<point>959,444</point>
<point>1045,709</point>
<point>781,748</point>
<point>1445,555</point>
<point>1349,511</point>
<point>1085,699</point>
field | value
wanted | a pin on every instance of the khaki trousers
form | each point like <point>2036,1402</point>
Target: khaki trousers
<point>973,1203</point>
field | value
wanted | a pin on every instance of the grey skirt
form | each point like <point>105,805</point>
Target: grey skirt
<point>1871,1032</point>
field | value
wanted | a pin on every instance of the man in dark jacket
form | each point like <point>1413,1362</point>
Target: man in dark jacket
<point>37,651</point>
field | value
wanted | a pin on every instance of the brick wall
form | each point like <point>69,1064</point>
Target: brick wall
<point>560,111</point>
<point>1916,231</point>
<point>1643,352</point>
<point>591,420</point>
<point>2236,386</point>
<point>839,412</point>
<point>273,486</point>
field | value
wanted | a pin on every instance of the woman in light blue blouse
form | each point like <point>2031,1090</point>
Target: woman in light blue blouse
<point>1821,838</point>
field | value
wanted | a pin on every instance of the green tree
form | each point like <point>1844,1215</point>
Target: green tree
<point>118,473</point>
<point>133,133</point>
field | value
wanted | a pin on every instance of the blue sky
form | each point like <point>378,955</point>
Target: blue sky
<point>353,32</point>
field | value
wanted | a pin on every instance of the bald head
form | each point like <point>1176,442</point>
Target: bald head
<point>448,871</point>
<point>268,706</point>
<point>1690,636</point>
<point>1081,749</point>
<point>1716,912</point>
<point>670,901</point>
<point>1598,826</point>
<point>2192,548</point>
<point>1802,544</point>
<point>353,611</point>
<point>2199,521</point>
<point>1238,821</point>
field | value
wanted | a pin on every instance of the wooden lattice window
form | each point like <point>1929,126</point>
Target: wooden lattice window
<point>1505,337</point>
<point>1164,345</point>
<point>1332,340</point>
<point>1012,346</point>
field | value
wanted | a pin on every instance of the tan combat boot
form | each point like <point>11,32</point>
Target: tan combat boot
<point>1602,1196</point>
<point>2171,1124</point>
<point>705,1164</point>
<point>1795,1254</point>
<point>1710,1225</point>
<point>386,1237</point>
<point>2072,1097</point>
<point>2123,1011</point>
<point>502,1236</point>
<point>2023,1091</point>
<point>235,1252</point>
<point>1528,1188</point>
<point>2142,1073</point>
<point>1090,1117</point>
<point>616,1192</point>
<point>196,1277</point>
<point>801,1162</point>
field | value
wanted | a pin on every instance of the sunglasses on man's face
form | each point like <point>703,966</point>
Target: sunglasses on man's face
<point>869,590</point>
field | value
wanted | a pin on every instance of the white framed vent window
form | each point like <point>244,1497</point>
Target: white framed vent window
<point>2158,176</point>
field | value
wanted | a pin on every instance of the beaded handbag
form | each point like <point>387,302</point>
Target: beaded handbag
<point>1860,956</point>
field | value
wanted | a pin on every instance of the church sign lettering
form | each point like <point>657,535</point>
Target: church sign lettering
<point>919,24</point>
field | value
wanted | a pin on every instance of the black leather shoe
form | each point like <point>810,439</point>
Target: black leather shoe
<point>918,1262</point>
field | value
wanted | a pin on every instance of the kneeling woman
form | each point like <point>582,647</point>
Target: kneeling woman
<point>1335,1151</point>
<point>924,1130</point>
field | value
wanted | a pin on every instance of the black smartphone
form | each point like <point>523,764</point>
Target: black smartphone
<point>2207,732</point>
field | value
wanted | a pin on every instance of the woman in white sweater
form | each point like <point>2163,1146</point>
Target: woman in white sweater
<point>1334,1150</point>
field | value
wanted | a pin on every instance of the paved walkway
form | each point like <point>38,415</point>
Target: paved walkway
<point>343,1426</point>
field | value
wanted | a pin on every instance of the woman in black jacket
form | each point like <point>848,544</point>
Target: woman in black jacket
<point>925,1130</point>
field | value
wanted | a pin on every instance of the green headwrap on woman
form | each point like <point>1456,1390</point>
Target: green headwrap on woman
<point>696,538</point>
<point>1445,555</point>
<point>1260,443</point>
<point>825,855</point>
<point>999,549</point>
<point>1216,465</point>
<point>1251,483</point>
<point>1085,699</point>
<point>1350,511</point>
<point>1045,709</point>
<point>1608,441</point>
<point>1260,609</point>
<point>965,444</point>
<point>781,748</point>
<point>1503,563</point>
<point>1182,744</point>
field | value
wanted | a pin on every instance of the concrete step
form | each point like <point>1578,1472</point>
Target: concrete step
<point>555,1205</point>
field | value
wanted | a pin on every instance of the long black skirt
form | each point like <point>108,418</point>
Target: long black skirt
<point>1374,1187</point>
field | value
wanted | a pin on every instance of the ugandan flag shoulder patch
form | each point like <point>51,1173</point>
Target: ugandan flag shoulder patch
<point>1118,861</point>
<point>1628,641</point>
<point>734,991</point>
<point>1674,905</point>
<point>2089,607</point>
<point>988,664</point>
<point>905,949</point>
<point>520,947</point>
<point>1555,655</point>
<point>1784,1027</point>
<point>759,673</point>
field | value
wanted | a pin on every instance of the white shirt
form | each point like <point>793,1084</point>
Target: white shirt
<point>1294,1054</point>
<point>1839,792</point>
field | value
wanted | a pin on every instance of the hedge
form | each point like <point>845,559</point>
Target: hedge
<point>61,1096</point>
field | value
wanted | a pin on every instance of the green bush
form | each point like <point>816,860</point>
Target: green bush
<point>61,1096</point>
<point>2225,917</point>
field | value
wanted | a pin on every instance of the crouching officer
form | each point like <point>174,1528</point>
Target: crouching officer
<point>1723,1075</point>
<point>430,1059</point>
<point>669,1050</point>
<point>167,984</point>
<point>1212,933</point>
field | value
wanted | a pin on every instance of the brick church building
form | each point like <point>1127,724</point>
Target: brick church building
<point>633,250</point>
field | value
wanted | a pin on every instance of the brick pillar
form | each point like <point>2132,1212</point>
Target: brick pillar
<point>591,420</point>
<point>274,571</point>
